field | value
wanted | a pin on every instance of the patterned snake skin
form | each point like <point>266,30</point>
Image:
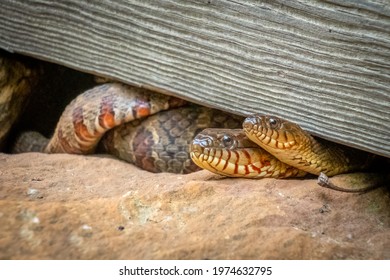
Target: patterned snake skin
<point>229,152</point>
<point>131,123</point>
<point>17,78</point>
<point>155,132</point>
<point>272,147</point>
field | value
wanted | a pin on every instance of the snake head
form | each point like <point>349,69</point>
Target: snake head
<point>210,140</point>
<point>229,152</point>
<point>274,134</point>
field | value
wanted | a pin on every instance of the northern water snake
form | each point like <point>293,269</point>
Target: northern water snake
<point>131,123</point>
<point>265,147</point>
<point>272,147</point>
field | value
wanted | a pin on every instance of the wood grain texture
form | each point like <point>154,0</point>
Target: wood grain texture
<point>323,64</point>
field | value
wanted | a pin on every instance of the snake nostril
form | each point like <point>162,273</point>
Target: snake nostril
<point>200,143</point>
<point>253,119</point>
<point>248,123</point>
<point>196,149</point>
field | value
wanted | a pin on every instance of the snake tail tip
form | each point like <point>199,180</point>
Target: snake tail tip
<point>323,180</point>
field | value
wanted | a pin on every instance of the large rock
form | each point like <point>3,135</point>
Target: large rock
<point>96,207</point>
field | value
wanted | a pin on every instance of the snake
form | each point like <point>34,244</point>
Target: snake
<point>269,146</point>
<point>162,133</point>
<point>17,79</point>
<point>148,129</point>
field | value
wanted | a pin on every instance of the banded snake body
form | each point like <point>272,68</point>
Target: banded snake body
<point>269,146</point>
<point>151,130</point>
<point>112,117</point>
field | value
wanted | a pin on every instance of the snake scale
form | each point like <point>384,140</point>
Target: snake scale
<point>17,78</point>
<point>131,123</point>
<point>269,146</point>
<point>160,133</point>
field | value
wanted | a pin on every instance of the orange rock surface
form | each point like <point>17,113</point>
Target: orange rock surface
<point>97,207</point>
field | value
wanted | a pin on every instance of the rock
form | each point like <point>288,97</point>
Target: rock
<point>97,207</point>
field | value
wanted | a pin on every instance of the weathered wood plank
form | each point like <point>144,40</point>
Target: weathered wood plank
<point>324,64</point>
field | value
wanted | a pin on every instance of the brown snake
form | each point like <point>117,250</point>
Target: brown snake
<point>112,118</point>
<point>272,147</point>
<point>131,123</point>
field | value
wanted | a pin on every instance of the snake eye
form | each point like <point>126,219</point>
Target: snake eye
<point>272,122</point>
<point>227,140</point>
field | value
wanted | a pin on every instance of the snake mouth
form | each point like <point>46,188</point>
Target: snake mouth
<point>242,162</point>
<point>230,153</point>
<point>269,132</point>
<point>228,163</point>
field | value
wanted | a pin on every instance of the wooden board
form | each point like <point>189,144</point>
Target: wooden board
<point>323,64</point>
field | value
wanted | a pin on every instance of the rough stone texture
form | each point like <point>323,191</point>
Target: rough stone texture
<point>97,207</point>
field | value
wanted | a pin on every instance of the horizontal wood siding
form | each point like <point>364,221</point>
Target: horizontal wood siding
<point>323,64</point>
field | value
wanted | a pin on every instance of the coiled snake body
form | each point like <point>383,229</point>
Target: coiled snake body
<point>111,117</point>
<point>132,123</point>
